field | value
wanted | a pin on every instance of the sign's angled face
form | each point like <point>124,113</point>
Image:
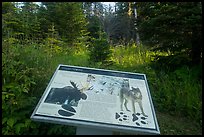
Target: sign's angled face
<point>99,98</point>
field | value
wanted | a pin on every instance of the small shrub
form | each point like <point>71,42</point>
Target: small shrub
<point>99,50</point>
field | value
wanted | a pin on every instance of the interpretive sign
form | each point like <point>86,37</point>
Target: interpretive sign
<point>98,98</point>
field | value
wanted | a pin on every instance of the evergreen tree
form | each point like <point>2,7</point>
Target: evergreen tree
<point>123,23</point>
<point>174,27</point>
<point>68,18</point>
<point>30,24</point>
<point>94,12</point>
<point>10,22</point>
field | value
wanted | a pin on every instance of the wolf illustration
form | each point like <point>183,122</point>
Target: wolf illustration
<point>134,95</point>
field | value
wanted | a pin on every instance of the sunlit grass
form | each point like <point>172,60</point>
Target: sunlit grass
<point>133,55</point>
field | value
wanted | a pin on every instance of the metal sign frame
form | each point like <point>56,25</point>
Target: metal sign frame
<point>41,113</point>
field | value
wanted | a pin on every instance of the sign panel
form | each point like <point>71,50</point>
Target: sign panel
<point>98,98</point>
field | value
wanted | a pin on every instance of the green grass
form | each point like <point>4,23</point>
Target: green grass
<point>176,95</point>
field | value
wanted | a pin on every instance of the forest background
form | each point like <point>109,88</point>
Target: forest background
<point>160,39</point>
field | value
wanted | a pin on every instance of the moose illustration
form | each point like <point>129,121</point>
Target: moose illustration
<point>66,95</point>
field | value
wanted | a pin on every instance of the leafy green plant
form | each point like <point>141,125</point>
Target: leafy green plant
<point>17,99</point>
<point>179,93</point>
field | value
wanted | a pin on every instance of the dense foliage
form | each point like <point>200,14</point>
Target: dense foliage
<point>174,27</point>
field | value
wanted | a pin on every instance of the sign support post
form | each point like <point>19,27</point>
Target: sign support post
<point>92,131</point>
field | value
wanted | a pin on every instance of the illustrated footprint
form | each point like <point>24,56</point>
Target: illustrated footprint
<point>121,113</point>
<point>134,117</point>
<point>121,116</point>
<point>137,123</point>
<point>125,117</point>
<point>137,114</point>
<point>70,111</point>
<point>143,122</point>
<point>65,113</point>
<point>143,118</point>
<point>117,116</point>
<point>68,108</point>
